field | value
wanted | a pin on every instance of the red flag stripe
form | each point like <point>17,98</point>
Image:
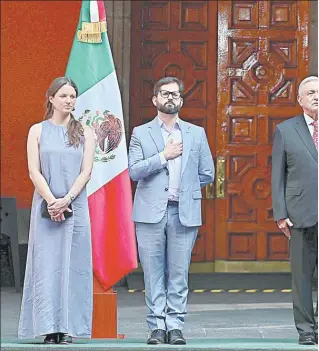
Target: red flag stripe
<point>102,14</point>
<point>113,236</point>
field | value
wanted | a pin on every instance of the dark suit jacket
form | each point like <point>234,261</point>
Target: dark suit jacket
<point>295,173</point>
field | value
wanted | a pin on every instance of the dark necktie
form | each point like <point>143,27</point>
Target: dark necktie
<point>315,133</point>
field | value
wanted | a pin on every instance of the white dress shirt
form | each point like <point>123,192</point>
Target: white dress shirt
<point>309,122</point>
<point>174,165</point>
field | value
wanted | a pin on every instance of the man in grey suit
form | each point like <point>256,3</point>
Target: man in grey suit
<point>171,161</point>
<point>295,202</point>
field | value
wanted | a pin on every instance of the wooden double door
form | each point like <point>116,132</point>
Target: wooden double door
<point>241,63</point>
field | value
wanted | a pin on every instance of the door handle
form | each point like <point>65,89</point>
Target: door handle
<point>209,191</point>
<point>220,177</point>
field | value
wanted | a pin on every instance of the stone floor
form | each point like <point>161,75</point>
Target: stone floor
<point>215,321</point>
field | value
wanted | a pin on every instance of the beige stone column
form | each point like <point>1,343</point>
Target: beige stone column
<point>313,38</point>
<point>118,13</point>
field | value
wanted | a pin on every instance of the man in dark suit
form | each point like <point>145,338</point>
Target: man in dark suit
<point>295,202</point>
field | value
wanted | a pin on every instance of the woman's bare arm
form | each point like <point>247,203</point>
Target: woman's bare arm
<point>34,164</point>
<point>60,205</point>
<point>87,163</point>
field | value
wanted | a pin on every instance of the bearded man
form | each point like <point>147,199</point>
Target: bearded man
<point>171,161</point>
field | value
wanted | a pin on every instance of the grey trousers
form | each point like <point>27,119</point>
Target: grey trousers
<point>165,250</point>
<point>303,261</point>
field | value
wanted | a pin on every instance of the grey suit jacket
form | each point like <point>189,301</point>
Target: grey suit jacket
<point>145,166</point>
<point>295,173</point>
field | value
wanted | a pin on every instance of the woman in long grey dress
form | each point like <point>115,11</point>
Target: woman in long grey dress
<point>57,293</point>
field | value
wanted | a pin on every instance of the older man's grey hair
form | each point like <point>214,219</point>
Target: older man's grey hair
<point>305,81</point>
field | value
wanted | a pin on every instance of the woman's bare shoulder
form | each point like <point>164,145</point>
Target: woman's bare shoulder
<point>35,130</point>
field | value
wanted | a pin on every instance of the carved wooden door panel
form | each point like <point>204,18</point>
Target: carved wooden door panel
<point>177,38</point>
<point>262,57</point>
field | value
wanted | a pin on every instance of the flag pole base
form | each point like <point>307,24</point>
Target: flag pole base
<point>104,324</point>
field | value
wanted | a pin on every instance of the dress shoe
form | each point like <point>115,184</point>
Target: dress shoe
<point>65,339</point>
<point>51,338</point>
<point>158,336</point>
<point>308,339</point>
<point>175,337</point>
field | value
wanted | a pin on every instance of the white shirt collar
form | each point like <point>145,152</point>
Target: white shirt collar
<point>308,119</point>
<point>160,122</point>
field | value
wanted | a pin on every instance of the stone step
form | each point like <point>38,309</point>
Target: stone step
<point>139,345</point>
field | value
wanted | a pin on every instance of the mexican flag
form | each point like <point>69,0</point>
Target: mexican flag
<point>99,105</point>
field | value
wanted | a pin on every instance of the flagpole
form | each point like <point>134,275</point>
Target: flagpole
<point>104,312</point>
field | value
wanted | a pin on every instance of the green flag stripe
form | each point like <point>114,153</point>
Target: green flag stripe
<point>89,63</point>
<point>85,13</point>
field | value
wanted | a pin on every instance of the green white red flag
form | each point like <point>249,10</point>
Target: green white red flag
<point>99,105</point>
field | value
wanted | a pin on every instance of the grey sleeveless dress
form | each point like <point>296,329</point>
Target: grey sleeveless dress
<point>58,286</point>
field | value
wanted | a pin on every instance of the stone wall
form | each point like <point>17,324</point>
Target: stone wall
<point>118,15</point>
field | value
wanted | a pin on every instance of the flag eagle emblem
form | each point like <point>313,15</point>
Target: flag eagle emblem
<point>108,132</point>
